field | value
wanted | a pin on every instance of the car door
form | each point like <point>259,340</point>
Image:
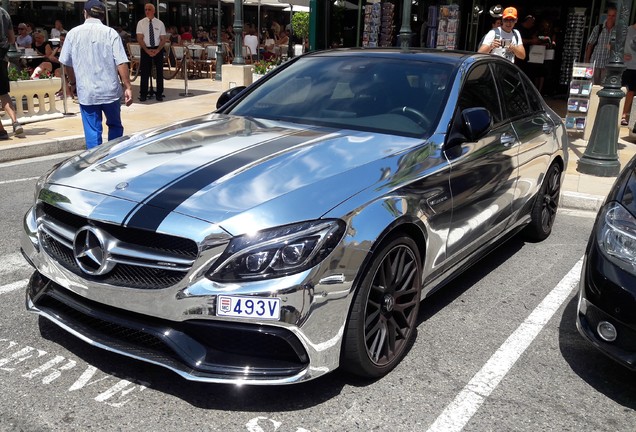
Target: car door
<point>483,174</point>
<point>534,129</point>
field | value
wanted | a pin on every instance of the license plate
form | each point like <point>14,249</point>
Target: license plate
<point>248,307</point>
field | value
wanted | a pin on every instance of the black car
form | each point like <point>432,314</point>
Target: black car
<point>607,296</point>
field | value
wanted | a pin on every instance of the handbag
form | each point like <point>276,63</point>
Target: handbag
<point>537,54</point>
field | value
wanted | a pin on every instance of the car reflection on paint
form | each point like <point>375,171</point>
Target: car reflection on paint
<point>607,294</point>
<point>296,229</point>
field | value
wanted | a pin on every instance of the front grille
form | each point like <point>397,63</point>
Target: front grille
<point>144,260</point>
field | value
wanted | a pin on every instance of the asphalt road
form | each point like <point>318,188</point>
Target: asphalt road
<point>496,350</point>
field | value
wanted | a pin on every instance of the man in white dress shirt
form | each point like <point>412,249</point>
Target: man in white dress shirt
<point>151,35</point>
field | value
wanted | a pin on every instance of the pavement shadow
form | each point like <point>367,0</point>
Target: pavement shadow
<point>455,288</point>
<point>600,372</point>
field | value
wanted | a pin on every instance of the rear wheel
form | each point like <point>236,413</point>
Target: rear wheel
<point>546,205</point>
<point>383,319</point>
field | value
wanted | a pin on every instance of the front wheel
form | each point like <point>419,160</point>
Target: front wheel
<point>383,319</point>
<point>545,207</point>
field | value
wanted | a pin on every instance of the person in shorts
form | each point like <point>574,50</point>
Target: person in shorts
<point>7,38</point>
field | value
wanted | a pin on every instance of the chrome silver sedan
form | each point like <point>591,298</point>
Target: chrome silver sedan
<point>296,229</point>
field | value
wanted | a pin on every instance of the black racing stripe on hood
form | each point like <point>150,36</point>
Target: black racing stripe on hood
<point>151,213</point>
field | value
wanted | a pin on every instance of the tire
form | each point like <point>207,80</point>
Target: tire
<point>383,319</point>
<point>545,206</point>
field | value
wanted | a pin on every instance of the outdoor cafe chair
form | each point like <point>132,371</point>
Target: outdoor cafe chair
<point>134,56</point>
<point>207,62</point>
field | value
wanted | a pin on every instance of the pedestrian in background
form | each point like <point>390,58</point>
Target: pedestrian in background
<point>151,35</point>
<point>505,41</point>
<point>95,62</point>
<point>7,38</point>
<point>24,39</point>
<point>599,45</point>
<point>629,74</point>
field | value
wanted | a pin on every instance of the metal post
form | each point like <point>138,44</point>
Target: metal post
<point>238,32</point>
<point>219,46</point>
<point>405,30</point>
<point>601,157</point>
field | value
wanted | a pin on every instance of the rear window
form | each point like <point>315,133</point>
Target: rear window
<point>388,96</point>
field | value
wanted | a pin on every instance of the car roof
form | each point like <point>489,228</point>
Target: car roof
<point>450,57</point>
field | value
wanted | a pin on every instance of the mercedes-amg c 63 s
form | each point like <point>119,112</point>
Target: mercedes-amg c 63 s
<point>296,229</point>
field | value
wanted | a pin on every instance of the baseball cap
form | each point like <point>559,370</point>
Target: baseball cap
<point>95,6</point>
<point>510,12</point>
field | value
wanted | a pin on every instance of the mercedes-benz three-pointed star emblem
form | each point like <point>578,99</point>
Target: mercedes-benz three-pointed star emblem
<point>90,249</point>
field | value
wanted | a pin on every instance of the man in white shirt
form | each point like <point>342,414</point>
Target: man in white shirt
<point>57,30</point>
<point>505,41</point>
<point>95,62</point>
<point>151,35</point>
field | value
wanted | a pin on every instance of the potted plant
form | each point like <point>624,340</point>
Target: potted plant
<point>33,93</point>
<point>260,68</point>
<point>300,25</point>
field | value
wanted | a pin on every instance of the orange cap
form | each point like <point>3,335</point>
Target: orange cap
<point>510,12</point>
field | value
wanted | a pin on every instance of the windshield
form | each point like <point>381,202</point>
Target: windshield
<point>398,96</point>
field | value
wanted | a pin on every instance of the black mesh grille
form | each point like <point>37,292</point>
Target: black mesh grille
<point>122,275</point>
<point>130,276</point>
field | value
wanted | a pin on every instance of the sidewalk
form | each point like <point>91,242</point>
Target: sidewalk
<point>579,191</point>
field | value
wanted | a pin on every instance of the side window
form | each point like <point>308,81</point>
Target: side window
<point>513,91</point>
<point>534,98</point>
<point>479,90</point>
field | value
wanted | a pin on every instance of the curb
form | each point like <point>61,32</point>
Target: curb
<point>581,201</point>
<point>42,148</point>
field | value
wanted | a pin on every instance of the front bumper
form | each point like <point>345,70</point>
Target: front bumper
<point>177,327</point>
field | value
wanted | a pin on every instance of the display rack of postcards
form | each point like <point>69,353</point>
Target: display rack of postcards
<point>372,22</point>
<point>386,28</point>
<point>579,97</point>
<point>572,43</point>
<point>447,27</point>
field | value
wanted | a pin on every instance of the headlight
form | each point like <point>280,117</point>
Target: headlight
<point>617,234</point>
<point>277,252</point>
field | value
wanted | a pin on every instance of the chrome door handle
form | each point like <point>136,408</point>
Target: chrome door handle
<point>508,140</point>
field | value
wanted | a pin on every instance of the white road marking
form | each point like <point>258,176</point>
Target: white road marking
<point>39,159</point>
<point>10,263</point>
<point>13,286</point>
<point>18,180</point>
<point>460,411</point>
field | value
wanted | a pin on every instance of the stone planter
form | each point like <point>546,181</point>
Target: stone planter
<point>256,76</point>
<point>35,99</point>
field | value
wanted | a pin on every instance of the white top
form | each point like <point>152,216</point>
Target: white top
<point>630,48</point>
<point>506,38</point>
<point>157,25</point>
<point>252,42</point>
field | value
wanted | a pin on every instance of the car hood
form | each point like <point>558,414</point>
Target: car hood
<point>215,167</point>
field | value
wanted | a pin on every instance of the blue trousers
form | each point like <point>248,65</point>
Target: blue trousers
<point>92,121</point>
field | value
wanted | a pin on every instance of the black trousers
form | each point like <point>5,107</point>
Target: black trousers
<point>145,67</point>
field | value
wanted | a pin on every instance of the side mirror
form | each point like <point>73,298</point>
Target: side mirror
<point>477,122</point>
<point>228,95</point>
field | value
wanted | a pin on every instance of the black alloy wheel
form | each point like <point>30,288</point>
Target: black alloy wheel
<point>545,207</point>
<point>383,319</point>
